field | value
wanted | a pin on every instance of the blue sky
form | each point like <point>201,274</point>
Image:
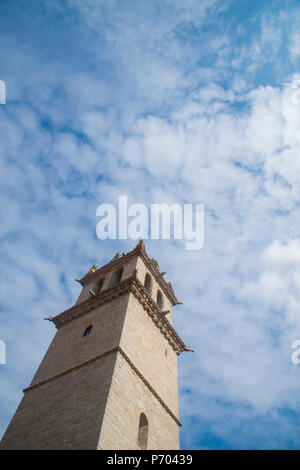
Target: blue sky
<point>163,101</point>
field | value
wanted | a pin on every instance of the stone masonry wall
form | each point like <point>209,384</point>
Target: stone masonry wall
<point>70,348</point>
<point>128,270</point>
<point>141,273</point>
<point>128,398</point>
<point>65,413</point>
<point>151,353</point>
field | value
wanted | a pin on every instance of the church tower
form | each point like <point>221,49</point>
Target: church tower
<point>109,377</point>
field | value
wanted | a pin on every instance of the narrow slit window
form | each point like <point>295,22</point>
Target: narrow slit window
<point>143,432</point>
<point>159,300</point>
<point>98,286</point>
<point>87,330</point>
<point>116,278</point>
<point>148,283</point>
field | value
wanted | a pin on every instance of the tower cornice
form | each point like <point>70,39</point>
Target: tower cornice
<point>129,285</point>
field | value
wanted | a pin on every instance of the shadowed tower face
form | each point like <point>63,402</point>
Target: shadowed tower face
<point>109,377</point>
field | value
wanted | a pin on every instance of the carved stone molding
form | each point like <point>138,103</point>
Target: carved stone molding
<point>149,386</point>
<point>133,285</point>
<point>101,356</point>
<point>93,269</point>
<point>142,295</point>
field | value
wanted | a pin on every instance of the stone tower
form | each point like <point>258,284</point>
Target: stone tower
<point>109,377</point>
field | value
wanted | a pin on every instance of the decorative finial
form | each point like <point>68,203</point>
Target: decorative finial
<point>170,287</point>
<point>117,256</point>
<point>48,318</point>
<point>93,269</point>
<point>141,244</point>
<point>154,263</point>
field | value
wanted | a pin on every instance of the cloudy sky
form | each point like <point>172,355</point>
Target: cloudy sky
<point>163,101</point>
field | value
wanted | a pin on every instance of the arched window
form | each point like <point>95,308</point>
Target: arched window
<point>148,283</point>
<point>159,300</point>
<point>98,285</point>
<point>143,432</point>
<point>116,278</point>
<point>87,330</point>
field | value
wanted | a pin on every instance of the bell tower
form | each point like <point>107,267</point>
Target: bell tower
<point>109,377</point>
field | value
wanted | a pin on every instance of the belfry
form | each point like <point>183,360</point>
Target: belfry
<point>109,377</point>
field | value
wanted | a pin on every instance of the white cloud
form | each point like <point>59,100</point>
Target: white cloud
<point>157,121</point>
